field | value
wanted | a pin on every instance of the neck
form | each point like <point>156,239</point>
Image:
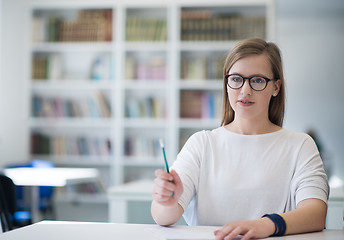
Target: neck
<point>251,127</point>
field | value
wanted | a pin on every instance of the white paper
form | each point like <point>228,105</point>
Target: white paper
<point>183,232</point>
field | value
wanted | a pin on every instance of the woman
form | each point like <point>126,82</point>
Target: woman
<point>250,175</point>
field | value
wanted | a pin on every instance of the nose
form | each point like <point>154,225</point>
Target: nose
<point>246,88</point>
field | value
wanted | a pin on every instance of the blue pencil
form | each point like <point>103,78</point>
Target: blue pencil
<point>166,164</point>
<point>163,151</point>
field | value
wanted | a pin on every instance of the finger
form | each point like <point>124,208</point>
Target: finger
<point>221,233</point>
<point>164,184</point>
<point>178,184</point>
<point>164,200</point>
<point>163,192</point>
<point>248,235</point>
<point>235,232</point>
<point>176,178</point>
<point>163,187</point>
<point>159,173</point>
<point>177,181</point>
<point>160,198</point>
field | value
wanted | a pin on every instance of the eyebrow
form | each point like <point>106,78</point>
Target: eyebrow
<point>253,75</point>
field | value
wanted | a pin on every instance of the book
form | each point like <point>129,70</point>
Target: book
<point>90,25</point>
<point>205,66</point>
<point>191,104</point>
<point>207,25</point>
<point>145,29</point>
<point>70,145</point>
<point>200,104</point>
<point>147,107</point>
<point>103,104</point>
<point>142,146</point>
<point>48,66</point>
<point>95,106</point>
<point>151,68</point>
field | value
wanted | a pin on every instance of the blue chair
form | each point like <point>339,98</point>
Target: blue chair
<point>7,203</point>
<point>45,192</point>
<point>9,215</point>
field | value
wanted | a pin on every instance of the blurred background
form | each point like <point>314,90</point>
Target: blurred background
<point>103,97</point>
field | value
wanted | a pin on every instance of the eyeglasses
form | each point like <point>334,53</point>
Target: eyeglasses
<point>257,83</point>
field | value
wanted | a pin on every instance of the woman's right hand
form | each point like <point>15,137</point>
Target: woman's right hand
<point>167,188</point>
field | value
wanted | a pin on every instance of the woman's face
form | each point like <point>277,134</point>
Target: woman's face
<point>247,103</point>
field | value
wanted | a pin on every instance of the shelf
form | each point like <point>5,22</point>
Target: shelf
<point>145,123</point>
<point>146,84</point>
<point>70,123</point>
<point>80,161</point>
<point>147,72</point>
<point>72,85</point>
<point>146,46</point>
<point>207,45</point>
<point>72,46</point>
<point>201,84</point>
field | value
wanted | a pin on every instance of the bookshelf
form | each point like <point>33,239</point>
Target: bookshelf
<point>109,79</point>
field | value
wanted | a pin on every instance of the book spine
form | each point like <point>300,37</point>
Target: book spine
<point>63,145</point>
<point>56,107</point>
<point>205,25</point>
<point>149,107</point>
<point>142,146</point>
<point>145,29</point>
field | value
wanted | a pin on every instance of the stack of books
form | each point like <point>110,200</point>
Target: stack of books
<point>89,25</point>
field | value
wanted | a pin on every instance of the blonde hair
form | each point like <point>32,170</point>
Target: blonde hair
<point>256,46</point>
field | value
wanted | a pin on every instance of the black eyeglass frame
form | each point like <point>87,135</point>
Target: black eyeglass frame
<point>249,81</point>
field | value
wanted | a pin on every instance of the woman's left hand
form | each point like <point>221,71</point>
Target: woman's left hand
<point>260,228</point>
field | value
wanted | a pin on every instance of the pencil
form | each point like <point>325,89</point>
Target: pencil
<point>166,164</point>
<point>163,151</point>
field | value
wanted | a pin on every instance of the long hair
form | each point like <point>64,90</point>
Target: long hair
<point>249,47</point>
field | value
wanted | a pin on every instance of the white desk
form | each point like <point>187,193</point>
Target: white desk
<point>109,231</point>
<point>56,177</point>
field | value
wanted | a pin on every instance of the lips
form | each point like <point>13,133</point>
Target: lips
<point>245,102</point>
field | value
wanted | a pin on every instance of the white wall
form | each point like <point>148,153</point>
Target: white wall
<point>14,94</point>
<point>310,34</point>
<point>311,37</point>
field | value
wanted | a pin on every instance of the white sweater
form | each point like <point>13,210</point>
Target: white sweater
<point>229,177</point>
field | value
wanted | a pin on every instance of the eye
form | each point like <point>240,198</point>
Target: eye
<point>258,80</point>
<point>236,79</point>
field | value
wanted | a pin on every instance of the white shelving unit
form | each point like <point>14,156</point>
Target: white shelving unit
<point>144,75</point>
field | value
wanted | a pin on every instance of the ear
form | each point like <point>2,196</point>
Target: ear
<point>277,87</point>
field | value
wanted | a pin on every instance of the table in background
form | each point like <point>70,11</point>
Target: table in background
<point>120,196</point>
<point>55,177</point>
<point>54,230</point>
